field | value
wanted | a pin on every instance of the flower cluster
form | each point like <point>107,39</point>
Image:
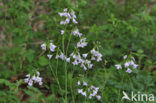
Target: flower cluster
<point>89,91</point>
<point>82,43</point>
<point>78,59</point>
<point>96,54</point>
<point>76,32</point>
<point>129,64</point>
<point>33,79</point>
<point>83,60</point>
<point>68,16</point>
<point>62,57</point>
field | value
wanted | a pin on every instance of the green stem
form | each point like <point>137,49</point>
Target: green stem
<point>55,76</point>
<point>119,101</point>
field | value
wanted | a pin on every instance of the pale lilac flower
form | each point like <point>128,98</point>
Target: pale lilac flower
<point>49,56</point>
<point>38,73</point>
<point>62,22</point>
<point>76,33</point>
<point>43,46</point>
<point>26,80</point>
<point>90,66</point>
<point>33,79</point>
<point>28,75</point>
<point>38,79</point>
<point>135,66</point>
<point>133,58</point>
<point>125,57</point>
<point>84,67</point>
<point>40,83</point>
<point>127,64</point>
<point>131,62</point>
<point>57,56</point>
<point>73,14</point>
<point>84,94</point>
<point>93,58</point>
<point>88,61</point>
<point>128,70</point>
<point>75,62</point>
<point>96,54</point>
<point>80,90</point>
<point>90,97</point>
<point>81,61</point>
<point>98,97</point>
<point>78,83</point>
<point>82,43</point>
<point>62,56</point>
<point>52,47</point>
<point>30,83</point>
<point>68,60</point>
<point>67,21</point>
<point>74,21</point>
<point>118,66</point>
<point>62,32</point>
<point>93,51</point>
<point>65,10</point>
<point>84,55</point>
<point>99,59</point>
<point>84,83</point>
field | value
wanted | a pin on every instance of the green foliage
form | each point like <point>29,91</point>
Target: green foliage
<point>121,26</point>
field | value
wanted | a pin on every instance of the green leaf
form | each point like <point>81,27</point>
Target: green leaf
<point>30,55</point>
<point>43,61</point>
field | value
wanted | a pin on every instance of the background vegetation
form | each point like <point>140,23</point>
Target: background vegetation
<point>122,26</point>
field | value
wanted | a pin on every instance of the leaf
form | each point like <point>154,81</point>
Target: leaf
<point>43,61</point>
<point>30,55</point>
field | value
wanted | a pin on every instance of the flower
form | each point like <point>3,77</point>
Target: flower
<point>82,43</point>
<point>96,54</point>
<point>68,17</point>
<point>62,56</point>
<point>57,56</point>
<point>49,56</point>
<point>30,83</point>
<point>93,58</point>
<point>68,60</point>
<point>76,33</point>
<point>52,47</point>
<point>62,32</point>
<point>84,55</point>
<point>80,90</point>
<point>75,62</point>
<point>133,58</point>
<point>125,57</point>
<point>118,66</point>
<point>135,66</point>
<point>78,83</point>
<point>90,66</point>
<point>26,80</point>
<point>98,97</point>
<point>33,79</point>
<point>128,70</point>
<point>127,64</point>
<point>43,46</point>
<point>74,21</point>
<point>84,83</point>
<point>84,94</point>
<point>91,92</point>
<point>73,14</point>
<point>65,9</point>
